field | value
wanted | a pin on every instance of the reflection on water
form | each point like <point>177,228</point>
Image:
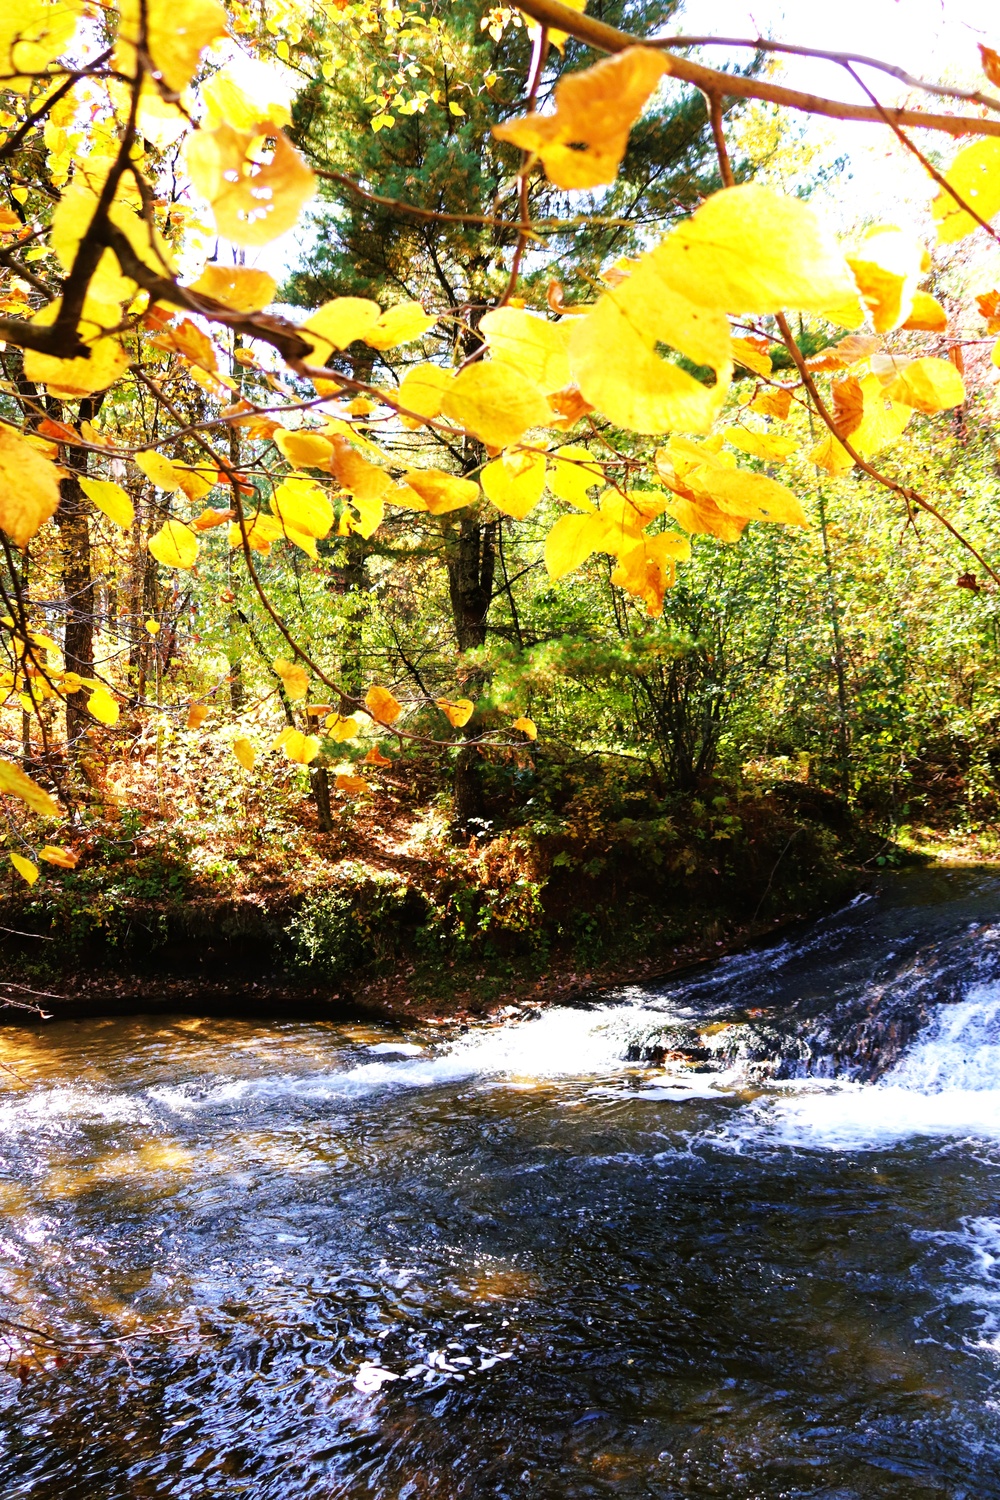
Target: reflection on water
<point>513,1264</point>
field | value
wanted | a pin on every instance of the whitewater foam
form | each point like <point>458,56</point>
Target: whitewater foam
<point>946,1084</point>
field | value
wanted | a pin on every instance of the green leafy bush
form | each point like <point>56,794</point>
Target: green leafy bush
<point>358,922</point>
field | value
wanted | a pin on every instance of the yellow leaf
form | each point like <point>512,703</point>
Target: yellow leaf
<point>750,357</point>
<point>255,195</point>
<point>527,727</point>
<point>158,121</point>
<point>557,38</point>
<point>750,497</point>
<point>160,469</point>
<point>174,545</point>
<point>245,91</point>
<point>926,315</point>
<point>571,541</point>
<point>16,783</point>
<point>261,530</point>
<point>383,707</point>
<point>197,714</point>
<point>571,472</point>
<point>177,32</point>
<point>366,482</point>
<point>345,782</point>
<point>649,568</point>
<point>615,360</point>
<point>194,484</point>
<point>399,325</point>
<point>111,499</point>
<point>752,250</point>
<point>422,392</point>
<point>33,34</point>
<point>535,346</point>
<point>301,505</point>
<point>300,748</point>
<point>238,287</point>
<point>338,323</point>
<point>29,488</point>
<point>625,517</point>
<point>24,868</point>
<point>245,753</point>
<point>64,858</point>
<point>304,540</point>
<point>72,217</point>
<point>928,385</point>
<point>294,677</point>
<point>769,446</point>
<point>441,492</point>
<point>341,729</point>
<point>975,177</point>
<point>582,144</point>
<point>886,266</point>
<point>303,449</point>
<point>772,401</point>
<point>103,707</point>
<point>514,482</point>
<point>682,456</point>
<point>457,711</point>
<point>883,422</point>
<point>105,362</point>
<point>152,627</point>
<point>703,518</point>
<point>495,403</point>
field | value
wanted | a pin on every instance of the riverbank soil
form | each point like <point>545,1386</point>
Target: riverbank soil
<point>585,875</point>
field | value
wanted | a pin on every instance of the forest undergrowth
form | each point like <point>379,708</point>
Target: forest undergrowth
<point>587,872</point>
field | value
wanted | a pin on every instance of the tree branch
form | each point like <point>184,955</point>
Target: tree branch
<point>711,81</point>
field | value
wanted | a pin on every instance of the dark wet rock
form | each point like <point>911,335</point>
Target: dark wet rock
<point>765,1014</point>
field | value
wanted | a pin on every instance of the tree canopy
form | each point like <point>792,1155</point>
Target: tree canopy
<point>545,350</point>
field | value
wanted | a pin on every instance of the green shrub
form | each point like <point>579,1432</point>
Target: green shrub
<point>353,924</point>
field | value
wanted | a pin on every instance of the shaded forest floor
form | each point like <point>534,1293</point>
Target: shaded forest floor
<point>232,899</point>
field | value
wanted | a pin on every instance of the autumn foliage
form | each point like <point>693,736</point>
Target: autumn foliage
<point>160,406</point>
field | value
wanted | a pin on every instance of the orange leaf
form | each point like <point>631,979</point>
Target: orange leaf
<point>64,858</point>
<point>991,63</point>
<point>61,431</point>
<point>457,712</point>
<point>376,758</point>
<point>848,405</point>
<point>526,726</point>
<point>210,518</point>
<point>197,714</point>
<point>383,707</point>
<point>346,783</point>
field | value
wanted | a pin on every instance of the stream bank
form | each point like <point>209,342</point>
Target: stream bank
<point>388,919</point>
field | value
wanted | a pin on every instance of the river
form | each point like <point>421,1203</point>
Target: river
<point>687,1241</point>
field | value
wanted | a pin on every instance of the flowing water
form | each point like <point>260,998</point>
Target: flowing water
<point>738,1236</point>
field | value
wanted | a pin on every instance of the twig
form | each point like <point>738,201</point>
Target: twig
<point>760,44</point>
<point>604,38</point>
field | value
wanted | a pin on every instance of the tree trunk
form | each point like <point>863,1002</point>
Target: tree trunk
<point>319,785</point>
<point>78,588</point>
<point>471,566</point>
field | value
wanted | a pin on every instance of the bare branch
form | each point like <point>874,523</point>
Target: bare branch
<point>760,44</point>
<point>604,38</point>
